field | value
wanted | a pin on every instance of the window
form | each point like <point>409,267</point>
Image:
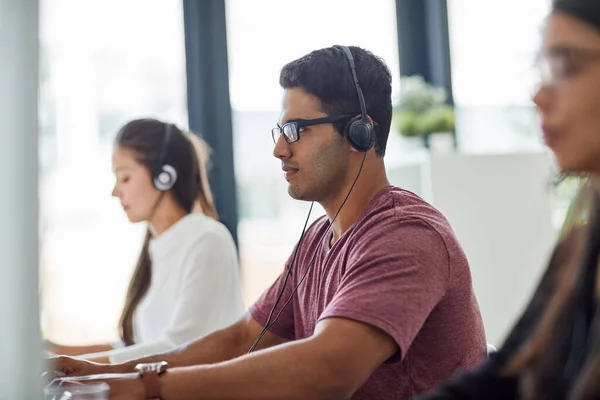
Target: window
<point>103,63</point>
<point>279,32</point>
<point>493,45</point>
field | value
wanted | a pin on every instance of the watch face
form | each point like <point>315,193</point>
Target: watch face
<point>152,367</point>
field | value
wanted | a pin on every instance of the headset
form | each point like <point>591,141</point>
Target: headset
<point>359,131</point>
<point>165,175</point>
<point>361,135</point>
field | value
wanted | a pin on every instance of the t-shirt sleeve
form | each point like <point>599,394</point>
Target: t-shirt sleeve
<point>395,275</point>
<point>284,325</point>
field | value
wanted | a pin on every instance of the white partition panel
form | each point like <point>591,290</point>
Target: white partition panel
<point>500,208</point>
<point>20,352</point>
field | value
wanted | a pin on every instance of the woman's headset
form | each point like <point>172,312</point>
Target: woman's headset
<point>165,175</point>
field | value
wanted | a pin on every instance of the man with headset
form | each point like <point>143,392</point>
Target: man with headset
<point>375,301</point>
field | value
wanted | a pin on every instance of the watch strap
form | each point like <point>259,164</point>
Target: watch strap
<point>151,385</point>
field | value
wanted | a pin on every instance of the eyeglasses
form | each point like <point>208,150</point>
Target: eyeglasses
<point>561,63</point>
<point>291,130</point>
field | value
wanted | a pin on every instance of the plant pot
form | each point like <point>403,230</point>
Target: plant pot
<point>412,143</point>
<point>441,142</point>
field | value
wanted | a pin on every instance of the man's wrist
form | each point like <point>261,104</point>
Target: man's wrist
<point>138,391</point>
<point>150,374</point>
<point>124,368</point>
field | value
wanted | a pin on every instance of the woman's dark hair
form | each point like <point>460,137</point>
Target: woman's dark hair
<point>186,153</point>
<point>587,11</point>
<point>554,348</point>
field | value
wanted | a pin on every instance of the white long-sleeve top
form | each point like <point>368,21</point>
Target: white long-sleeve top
<point>195,288</point>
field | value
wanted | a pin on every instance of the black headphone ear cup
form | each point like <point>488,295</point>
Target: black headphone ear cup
<point>166,178</point>
<point>360,134</point>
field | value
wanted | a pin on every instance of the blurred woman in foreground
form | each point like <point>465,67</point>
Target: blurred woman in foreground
<point>554,350</point>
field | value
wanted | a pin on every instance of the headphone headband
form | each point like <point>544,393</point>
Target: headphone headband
<point>359,132</point>
<point>164,150</point>
<point>361,98</point>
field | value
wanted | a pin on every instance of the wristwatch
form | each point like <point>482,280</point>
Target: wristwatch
<point>149,373</point>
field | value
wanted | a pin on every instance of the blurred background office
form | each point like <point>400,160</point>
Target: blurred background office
<point>213,66</point>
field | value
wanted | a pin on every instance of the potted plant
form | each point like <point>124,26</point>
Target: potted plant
<point>421,112</point>
<point>438,124</point>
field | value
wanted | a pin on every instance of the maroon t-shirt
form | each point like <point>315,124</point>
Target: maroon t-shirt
<point>399,268</point>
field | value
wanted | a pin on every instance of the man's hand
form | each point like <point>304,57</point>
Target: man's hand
<point>67,366</point>
<point>122,386</point>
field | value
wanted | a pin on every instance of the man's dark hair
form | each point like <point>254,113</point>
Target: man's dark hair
<point>326,74</point>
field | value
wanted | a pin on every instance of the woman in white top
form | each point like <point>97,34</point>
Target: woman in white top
<point>186,283</point>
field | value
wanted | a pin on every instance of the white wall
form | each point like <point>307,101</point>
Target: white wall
<point>500,209</point>
<point>20,347</point>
